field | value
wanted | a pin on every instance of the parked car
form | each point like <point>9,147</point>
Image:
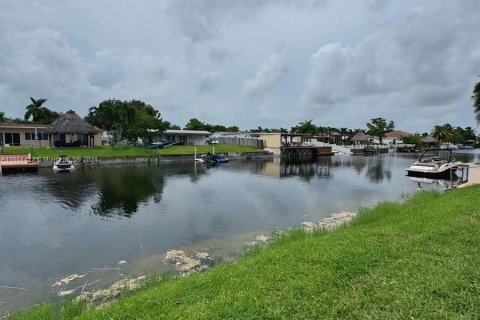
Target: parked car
<point>160,144</point>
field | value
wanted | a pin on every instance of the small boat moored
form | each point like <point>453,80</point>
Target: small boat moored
<point>434,163</point>
<point>63,164</point>
<point>214,158</point>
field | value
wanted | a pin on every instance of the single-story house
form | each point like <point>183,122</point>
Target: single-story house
<point>187,137</point>
<point>68,130</point>
<point>19,134</point>
<point>395,137</point>
<point>71,130</point>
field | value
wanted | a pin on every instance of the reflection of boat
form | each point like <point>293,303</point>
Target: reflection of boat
<point>434,163</point>
<point>445,184</point>
<point>63,164</point>
<point>214,158</point>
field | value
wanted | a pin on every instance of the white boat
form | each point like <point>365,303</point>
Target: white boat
<point>434,163</point>
<point>450,146</point>
<point>62,164</point>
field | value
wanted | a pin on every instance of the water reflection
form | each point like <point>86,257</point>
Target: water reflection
<point>172,205</point>
<point>122,191</point>
<point>71,190</point>
<point>305,170</point>
<point>376,170</point>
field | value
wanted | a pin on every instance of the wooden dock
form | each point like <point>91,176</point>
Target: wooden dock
<point>10,163</point>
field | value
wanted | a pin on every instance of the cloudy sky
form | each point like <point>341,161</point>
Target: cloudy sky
<point>250,63</point>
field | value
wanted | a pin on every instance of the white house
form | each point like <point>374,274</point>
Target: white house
<point>187,137</point>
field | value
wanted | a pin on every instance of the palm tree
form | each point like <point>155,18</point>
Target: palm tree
<point>445,133</point>
<point>39,113</point>
<point>36,110</point>
<point>306,126</point>
<point>476,101</point>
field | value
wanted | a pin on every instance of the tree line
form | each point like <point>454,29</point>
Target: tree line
<point>134,118</point>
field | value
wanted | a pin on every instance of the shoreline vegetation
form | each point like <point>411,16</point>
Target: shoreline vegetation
<point>415,259</point>
<point>109,152</point>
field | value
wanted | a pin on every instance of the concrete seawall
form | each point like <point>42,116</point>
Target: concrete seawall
<point>156,159</point>
<point>473,175</point>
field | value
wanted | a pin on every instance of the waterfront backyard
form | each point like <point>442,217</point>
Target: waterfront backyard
<point>89,221</point>
<point>124,151</point>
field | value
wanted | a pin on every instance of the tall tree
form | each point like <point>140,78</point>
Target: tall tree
<point>379,127</point>
<point>2,117</point>
<point>195,124</point>
<point>307,127</point>
<point>39,113</point>
<point>126,119</point>
<point>445,133</point>
<point>476,101</point>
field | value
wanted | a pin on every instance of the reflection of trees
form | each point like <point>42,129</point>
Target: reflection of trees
<point>358,164</point>
<point>376,171</point>
<point>122,189</point>
<point>71,189</point>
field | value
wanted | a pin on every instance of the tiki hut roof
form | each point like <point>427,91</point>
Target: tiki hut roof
<point>70,122</point>
<point>429,139</point>
<point>397,134</point>
<point>360,136</point>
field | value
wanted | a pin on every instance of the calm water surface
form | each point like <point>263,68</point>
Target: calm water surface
<point>53,225</point>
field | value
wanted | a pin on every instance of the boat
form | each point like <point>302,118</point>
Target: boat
<point>214,158</point>
<point>63,164</point>
<point>449,146</point>
<point>434,163</point>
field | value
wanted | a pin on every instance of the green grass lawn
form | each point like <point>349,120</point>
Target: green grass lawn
<point>125,151</point>
<point>417,260</point>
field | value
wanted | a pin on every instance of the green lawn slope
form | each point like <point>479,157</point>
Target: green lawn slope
<point>416,260</point>
<point>125,151</point>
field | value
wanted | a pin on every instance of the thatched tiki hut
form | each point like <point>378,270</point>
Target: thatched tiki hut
<point>70,130</point>
<point>361,137</point>
<point>429,140</point>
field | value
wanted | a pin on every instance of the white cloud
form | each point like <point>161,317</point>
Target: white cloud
<point>248,63</point>
<point>269,74</point>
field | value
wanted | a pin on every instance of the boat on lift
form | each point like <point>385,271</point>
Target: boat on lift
<point>435,164</point>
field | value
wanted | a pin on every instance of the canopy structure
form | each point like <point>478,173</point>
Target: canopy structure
<point>429,139</point>
<point>70,130</point>
<point>361,137</point>
<point>71,123</point>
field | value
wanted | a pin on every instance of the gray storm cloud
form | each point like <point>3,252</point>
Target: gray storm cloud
<point>339,63</point>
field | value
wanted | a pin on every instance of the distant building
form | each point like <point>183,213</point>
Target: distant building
<point>395,137</point>
<point>187,137</point>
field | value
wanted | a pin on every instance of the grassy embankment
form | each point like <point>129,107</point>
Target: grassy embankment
<point>417,260</point>
<point>124,151</point>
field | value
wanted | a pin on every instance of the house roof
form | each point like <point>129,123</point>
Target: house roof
<point>397,134</point>
<point>22,125</point>
<point>70,122</point>
<point>429,139</point>
<point>189,132</point>
<point>360,136</point>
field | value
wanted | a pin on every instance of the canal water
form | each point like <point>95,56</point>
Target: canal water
<point>53,225</point>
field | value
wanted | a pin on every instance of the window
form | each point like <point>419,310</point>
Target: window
<point>12,139</point>
<point>28,136</point>
<point>42,136</point>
